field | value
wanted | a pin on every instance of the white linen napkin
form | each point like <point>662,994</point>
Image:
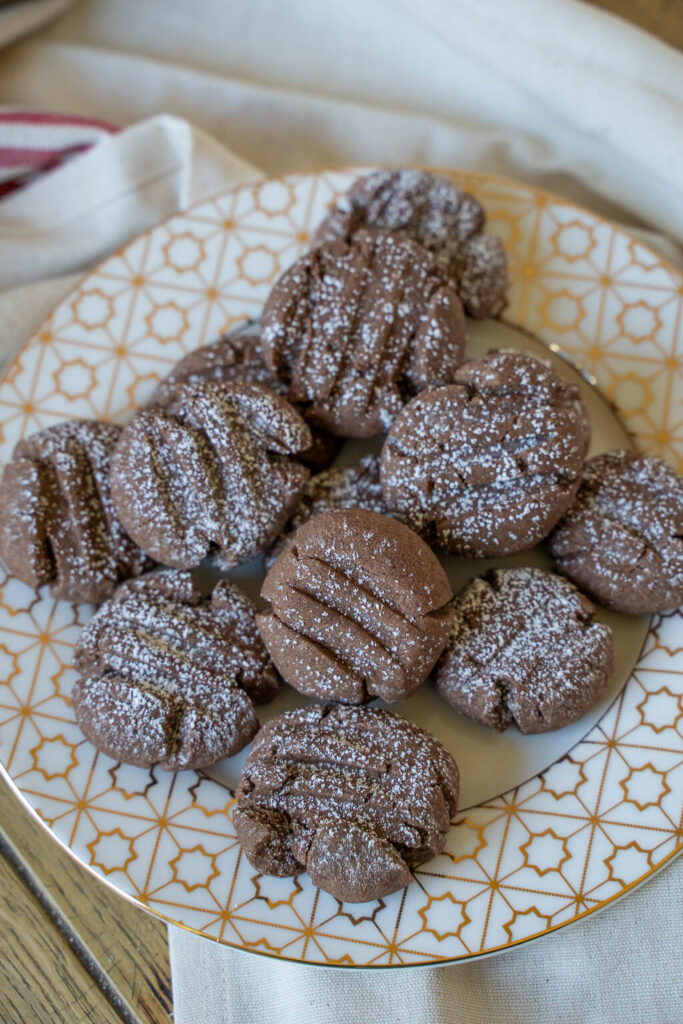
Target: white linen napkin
<point>79,212</point>
<point>549,91</point>
<point>621,966</point>
<point>553,92</point>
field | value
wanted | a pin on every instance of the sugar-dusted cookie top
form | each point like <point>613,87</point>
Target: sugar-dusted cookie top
<point>437,214</point>
<point>487,465</point>
<point>354,486</point>
<point>58,524</point>
<point>354,796</point>
<point>525,650</point>
<point>622,538</point>
<point>354,330</point>
<point>237,357</point>
<point>168,677</point>
<point>212,473</point>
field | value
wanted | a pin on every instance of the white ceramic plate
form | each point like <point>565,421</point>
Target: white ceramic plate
<point>554,826</point>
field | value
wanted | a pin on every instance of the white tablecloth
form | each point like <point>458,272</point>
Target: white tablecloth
<point>550,91</point>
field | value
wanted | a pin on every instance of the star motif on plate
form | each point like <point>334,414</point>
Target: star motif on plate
<point>112,851</point>
<point>194,868</point>
<point>643,784</point>
<point>544,852</point>
<point>457,917</point>
<point>54,757</point>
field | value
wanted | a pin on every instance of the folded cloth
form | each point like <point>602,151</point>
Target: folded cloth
<point>551,92</point>
<point>77,213</point>
<point>32,142</point>
<point>554,92</point>
<point>17,19</point>
<point>616,90</point>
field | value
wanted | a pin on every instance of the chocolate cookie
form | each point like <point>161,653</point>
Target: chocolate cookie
<point>237,357</point>
<point>211,473</point>
<point>524,649</point>
<point>169,677</point>
<point>359,608</point>
<point>354,486</point>
<point>57,519</point>
<point>486,466</point>
<point>354,330</point>
<point>232,357</point>
<point>357,797</point>
<point>622,538</point>
<point>438,215</point>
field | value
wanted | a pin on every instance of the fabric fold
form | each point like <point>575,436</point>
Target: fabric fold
<point>79,212</point>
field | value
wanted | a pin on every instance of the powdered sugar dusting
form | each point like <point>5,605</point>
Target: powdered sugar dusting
<point>58,524</point>
<point>212,472</point>
<point>237,357</point>
<point>481,275</point>
<point>487,465</point>
<point>355,330</point>
<point>354,486</point>
<point>622,538</point>
<point>437,214</point>
<point>319,779</point>
<point>524,648</point>
<point>233,357</point>
<point>169,677</point>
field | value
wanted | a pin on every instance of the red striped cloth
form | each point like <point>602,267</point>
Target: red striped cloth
<point>34,141</point>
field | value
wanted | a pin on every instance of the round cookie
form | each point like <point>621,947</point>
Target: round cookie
<point>168,677</point>
<point>481,276</point>
<point>210,474</point>
<point>622,539</point>
<point>58,524</point>
<point>487,466</point>
<point>359,608</point>
<point>437,214</point>
<point>353,486</point>
<point>237,357</point>
<point>524,648</point>
<point>354,330</point>
<point>357,797</point>
<point>232,357</point>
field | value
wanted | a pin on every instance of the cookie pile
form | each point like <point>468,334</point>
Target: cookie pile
<point>363,336</point>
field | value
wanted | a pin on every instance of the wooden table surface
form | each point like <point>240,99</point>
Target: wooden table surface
<point>71,949</point>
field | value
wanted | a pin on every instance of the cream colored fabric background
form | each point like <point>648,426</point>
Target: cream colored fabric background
<point>549,91</point>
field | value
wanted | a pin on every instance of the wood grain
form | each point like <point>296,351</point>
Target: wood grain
<point>127,947</point>
<point>40,978</point>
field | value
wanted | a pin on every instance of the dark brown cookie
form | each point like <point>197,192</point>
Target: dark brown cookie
<point>210,474</point>
<point>354,330</point>
<point>357,797</point>
<point>359,608</point>
<point>169,677</point>
<point>524,649</point>
<point>480,272</point>
<point>237,357</point>
<point>354,486</point>
<point>486,466</point>
<point>622,539</point>
<point>438,215</point>
<point>58,524</point>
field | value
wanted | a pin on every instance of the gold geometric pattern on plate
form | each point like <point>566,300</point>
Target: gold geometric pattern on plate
<point>564,843</point>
